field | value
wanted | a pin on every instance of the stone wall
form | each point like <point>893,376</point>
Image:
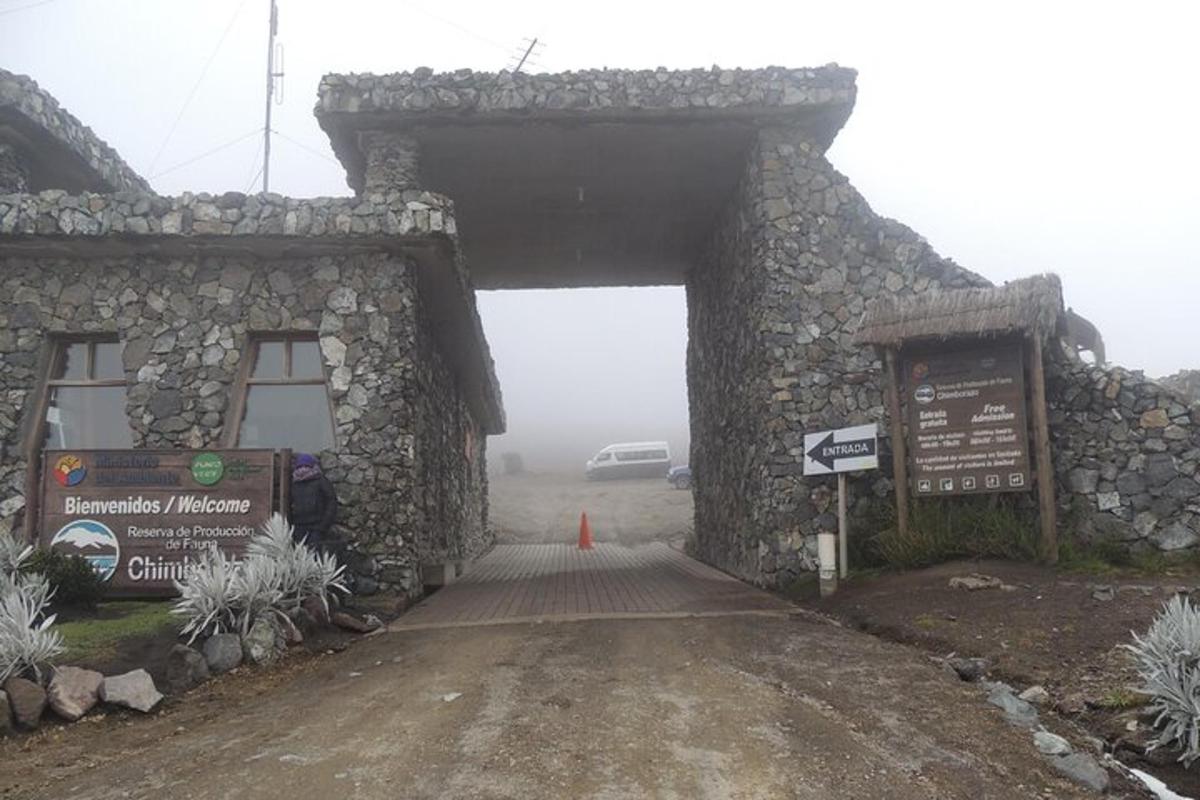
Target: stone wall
<point>1126,454</point>
<point>184,324</point>
<point>800,253</point>
<point>14,175</point>
<point>42,121</point>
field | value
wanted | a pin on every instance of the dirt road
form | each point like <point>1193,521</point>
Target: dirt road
<point>703,708</point>
<point>539,508</point>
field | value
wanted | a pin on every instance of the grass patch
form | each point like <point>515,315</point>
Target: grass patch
<point>926,622</point>
<point>968,527</point>
<point>1122,699</point>
<point>97,638</point>
<point>1110,557</point>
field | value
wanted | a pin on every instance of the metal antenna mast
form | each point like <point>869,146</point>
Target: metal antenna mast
<point>528,50</point>
<point>271,76</point>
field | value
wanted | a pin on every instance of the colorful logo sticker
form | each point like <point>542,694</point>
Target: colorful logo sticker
<point>93,541</point>
<point>69,471</point>
<point>207,468</point>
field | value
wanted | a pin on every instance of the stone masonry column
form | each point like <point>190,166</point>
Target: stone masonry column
<point>392,162</point>
<point>14,179</point>
<point>773,308</point>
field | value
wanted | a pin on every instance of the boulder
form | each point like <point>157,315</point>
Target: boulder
<point>975,581</point>
<point>73,691</point>
<point>1036,695</point>
<point>352,623</point>
<point>134,690</point>
<point>1016,710</point>
<point>316,609</point>
<point>7,726</point>
<point>27,700</point>
<point>969,669</point>
<point>261,644</point>
<point>1083,769</point>
<point>186,668</point>
<point>222,652</point>
<point>1051,744</point>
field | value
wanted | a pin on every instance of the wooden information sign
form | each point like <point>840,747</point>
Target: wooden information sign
<point>141,516</point>
<point>967,431</point>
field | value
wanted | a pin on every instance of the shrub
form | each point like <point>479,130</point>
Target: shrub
<point>1168,661</point>
<point>26,641</point>
<point>73,579</point>
<point>219,594</point>
<point>962,528</point>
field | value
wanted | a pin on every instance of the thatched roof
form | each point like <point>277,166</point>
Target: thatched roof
<point>1028,304</point>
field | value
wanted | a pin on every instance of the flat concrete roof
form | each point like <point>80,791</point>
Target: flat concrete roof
<point>59,151</point>
<point>602,177</point>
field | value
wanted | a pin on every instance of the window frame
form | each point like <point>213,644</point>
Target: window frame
<point>245,380</point>
<point>59,344</point>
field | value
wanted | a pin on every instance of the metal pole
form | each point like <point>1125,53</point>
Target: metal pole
<point>272,29</point>
<point>842,531</point>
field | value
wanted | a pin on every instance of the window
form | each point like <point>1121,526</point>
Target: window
<point>285,402</point>
<point>85,397</point>
<point>604,457</point>
<point>641,455</point>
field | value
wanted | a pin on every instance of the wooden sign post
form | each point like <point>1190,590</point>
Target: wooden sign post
<point>839,451</point>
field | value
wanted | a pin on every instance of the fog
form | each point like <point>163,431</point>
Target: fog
<point>582,368</point>
<point>1017,137</point>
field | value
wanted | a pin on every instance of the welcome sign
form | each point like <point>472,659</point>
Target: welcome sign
<point>140,517</point>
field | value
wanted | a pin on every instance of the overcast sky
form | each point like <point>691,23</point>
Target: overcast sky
<point>1017,137</point>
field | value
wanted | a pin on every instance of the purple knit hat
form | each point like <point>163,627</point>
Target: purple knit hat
<point>305,466</point>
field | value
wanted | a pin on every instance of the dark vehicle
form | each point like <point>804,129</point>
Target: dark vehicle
<point>680,477</point>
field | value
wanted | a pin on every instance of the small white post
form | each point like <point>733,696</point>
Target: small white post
<point>827,562</point>
<point>842,531</point>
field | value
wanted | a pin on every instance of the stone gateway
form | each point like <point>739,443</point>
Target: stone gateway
<point>347,325</point>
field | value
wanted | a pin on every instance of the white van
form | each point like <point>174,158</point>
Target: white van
<point>630,460</point>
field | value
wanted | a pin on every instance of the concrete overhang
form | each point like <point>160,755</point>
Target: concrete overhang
<point>416,225</point>
<point>587,178</point>
<point>56,149</point>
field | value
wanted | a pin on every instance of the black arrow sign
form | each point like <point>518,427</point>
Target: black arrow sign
<point>828,452</point>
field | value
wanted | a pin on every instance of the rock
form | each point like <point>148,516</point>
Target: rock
<point>7,726</point>
<point>186,668</point>
<point>350,622</point>
<point>1051,744</point>
<point>1103,593</point>
<point>73,691</point>
<point>1036,695</point>
<point>134,690</point>
<point>27,700</point>
<point>1082,769</point>
<point>1016,710</point>
<point>222,652</point>
<point>969,669</point>
<point>260,644</point>
<point>974,582</point>
<point>1155,418</point>
<point>373,622</point>
<point>316,609</point>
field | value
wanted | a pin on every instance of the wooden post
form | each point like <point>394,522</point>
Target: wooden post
<point>843,532</point>
<point>33,495</point>
<point>285,483</point>
<point>899,446</point>
<point>1048,544</point>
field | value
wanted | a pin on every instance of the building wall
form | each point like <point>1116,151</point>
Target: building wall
<point>800,253</point>
<point>184,324</point>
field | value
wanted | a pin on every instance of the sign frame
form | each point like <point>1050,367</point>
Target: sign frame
<point>163,507</point>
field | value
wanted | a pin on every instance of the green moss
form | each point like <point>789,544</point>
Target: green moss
<point>98,638</point>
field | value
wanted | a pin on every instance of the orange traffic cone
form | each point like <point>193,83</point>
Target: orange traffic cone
<point>585,533</point>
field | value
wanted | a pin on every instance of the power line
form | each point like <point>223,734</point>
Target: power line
<point>208,153</point>
<point>457,26</point>
<point>305,147</point>
<point>25,7</point>
<point>203,72</point>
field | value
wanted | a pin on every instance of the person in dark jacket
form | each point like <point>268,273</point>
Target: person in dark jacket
<point>314,505</point>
